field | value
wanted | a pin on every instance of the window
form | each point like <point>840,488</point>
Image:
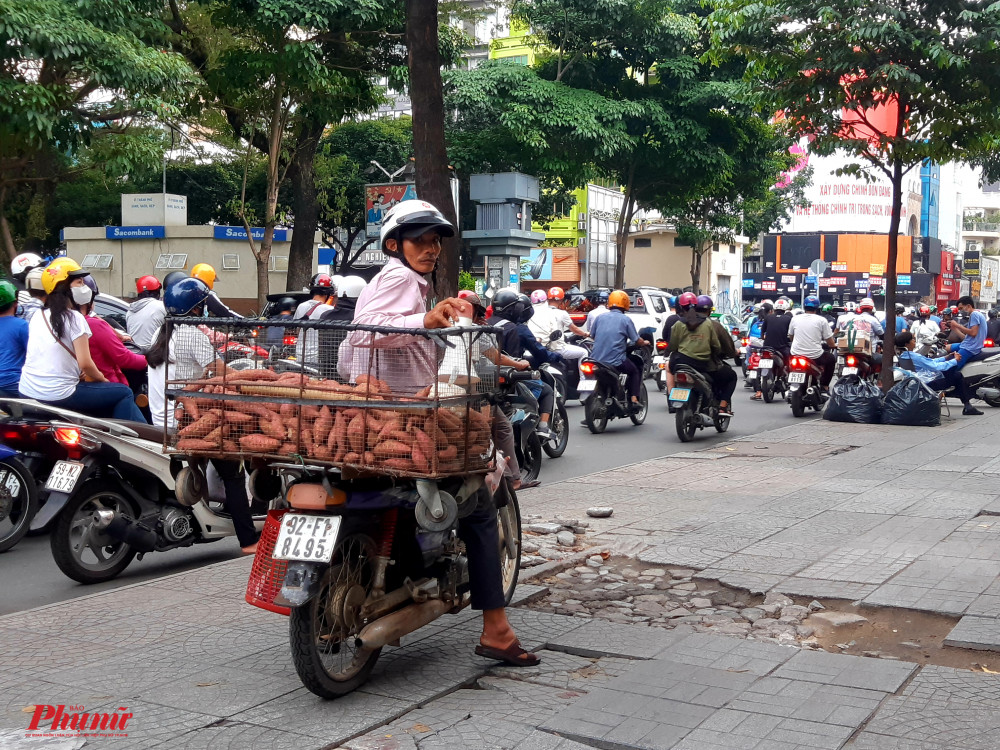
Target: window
<point>278,264</point>
<point>732,249</point>
<point>516,59</point>
<point>658,303</point>
<point>171,261</point>
<point>643,242</point>
<point>100,261</point>
<point>230,262</point>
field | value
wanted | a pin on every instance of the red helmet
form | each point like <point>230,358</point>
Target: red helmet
<point>924,311</point>
<point>955,310</point>
<point>473,299</point>
<point>687,299</point>
<point>147,284</point>
<point>321,281</point>
<point>557,293</point>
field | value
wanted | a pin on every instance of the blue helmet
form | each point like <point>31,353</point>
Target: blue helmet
<point>673,302</point>
<point>183,296</point>
<point>603,295</point>
<point>811,302</point>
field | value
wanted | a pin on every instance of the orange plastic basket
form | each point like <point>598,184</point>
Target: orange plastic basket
<point>268,574</point>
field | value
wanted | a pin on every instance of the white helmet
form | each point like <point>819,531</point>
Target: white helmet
<point>33,280</point>
<point>768,302</point>
<point>850,307</point>
<point>411,219</point>
<point>782,304</point>
<point>867,304</point>
<point>25,262</point>
<point>351,287</point>
<point>337,280</point>
<point>797,311</point>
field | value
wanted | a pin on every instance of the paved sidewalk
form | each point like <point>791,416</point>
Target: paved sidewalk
<point>889,516</point>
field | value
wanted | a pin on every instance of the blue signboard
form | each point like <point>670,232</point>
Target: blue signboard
<point>327,256</point>
<point>239,233</point>
<point>748,283</point>
<point>135,233</point>
<point>903,280</point>
<point>811,280</point>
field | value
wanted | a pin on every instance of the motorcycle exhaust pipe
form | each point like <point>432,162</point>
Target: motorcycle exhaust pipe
<point>124,529</point>
<point>988,393</point>
<point>392,627</point>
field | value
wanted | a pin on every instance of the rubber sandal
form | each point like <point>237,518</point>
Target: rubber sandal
<point>755,397</point>
<point>529,485</point>
<point>513,655</point>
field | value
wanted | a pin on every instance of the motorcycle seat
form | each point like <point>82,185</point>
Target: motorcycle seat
<point>144,431</point>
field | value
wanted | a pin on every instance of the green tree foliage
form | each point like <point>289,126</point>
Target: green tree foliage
<point>890,82</point>
<point>77,73</point>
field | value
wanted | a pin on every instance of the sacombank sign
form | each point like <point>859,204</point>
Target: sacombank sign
<point>134,233</point>
<point>239,233</point>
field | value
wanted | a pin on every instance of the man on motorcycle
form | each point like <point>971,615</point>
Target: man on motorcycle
<point>993,326</point>
<point>974,333</point>
<point>950,378</point>
<point>19,269</point>
<point>827,312</point>
<point>601,309</point>
<point>774,332</point>
<point>849,314</point>
<point>307,345</point>
<point>925,331</point>
<point>808,333</point>
<point>35,293</point>
<point>612,334</point>
<point>695,342</point>
<point>282,311</point>
<point>511,311</point>
<point>548,319</point>
<point>13,341</point>
<point>901,324</point>
<point>865,320</point>
<point>215,306</point>
<point>411,237</point>
<point>145,316</point>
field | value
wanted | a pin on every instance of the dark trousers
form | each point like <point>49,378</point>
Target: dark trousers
<point>14,393</point>
<point>237,503</point>
<point>634,377</point>
<point>952,379</point>
<point>482,543</point>
<point>828,362</point>
<point>723,380</point>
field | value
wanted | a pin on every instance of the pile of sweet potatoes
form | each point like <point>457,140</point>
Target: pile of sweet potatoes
<point>420,440</point>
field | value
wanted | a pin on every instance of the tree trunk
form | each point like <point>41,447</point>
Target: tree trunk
<point>697,253</point>
<point>304,205</point>
<point>889,342</point>
<point>624,224</point>
<point>6,238</point>
<point>262,279</point>
<point>430,155</point>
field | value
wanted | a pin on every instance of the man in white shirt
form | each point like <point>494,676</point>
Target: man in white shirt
<point>925,331</point>
<point>145,316</point>
<point>322,288</point>
<point>808,333</point>
<point>598,311</point>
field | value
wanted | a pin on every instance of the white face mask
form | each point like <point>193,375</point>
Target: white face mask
<point>82,295</point>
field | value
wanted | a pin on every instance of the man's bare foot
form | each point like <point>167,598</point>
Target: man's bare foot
<point>250,549</point>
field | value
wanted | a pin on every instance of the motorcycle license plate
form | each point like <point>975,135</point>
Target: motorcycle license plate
<point>64,476</point>
<point>306,538</point>
<point>849,371</point>
<point>797,377</point>
<point>766,364</point>
<point>680,394</point>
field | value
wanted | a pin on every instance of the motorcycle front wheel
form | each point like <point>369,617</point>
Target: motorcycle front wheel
<point>509,528</point>
<point>798,405</point>
<point>323,630</point>
<point>686,423</point>
<point>18,502</point>
<point>81,550</point>
<point>595,412</point>
<point>721,423</point>
<point>531,458</point>
<point>638,417</point>
<point>560,427</point>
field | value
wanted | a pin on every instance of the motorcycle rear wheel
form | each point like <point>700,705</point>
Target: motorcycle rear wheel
<point>684,419</point>
<point>767,388</point>
<point>798,405</point>
<point>322,631</point>
<point>638,417</point>
<point>509,528</point>
<point>531,458</point>
<point>721,423</point>
<point>83,552</point>
<point>595,413</point>
<point>560,427</point>
<point>18,502</point>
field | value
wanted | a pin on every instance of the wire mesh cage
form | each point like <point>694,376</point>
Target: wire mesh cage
<point>407,402</point>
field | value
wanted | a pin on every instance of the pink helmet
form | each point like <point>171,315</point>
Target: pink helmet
<point>538,296</point>
<point>687,299</point>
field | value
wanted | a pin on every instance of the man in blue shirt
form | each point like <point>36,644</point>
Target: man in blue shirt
<point>13,341</point>
<point>612,334</point>
<point>975,332</point>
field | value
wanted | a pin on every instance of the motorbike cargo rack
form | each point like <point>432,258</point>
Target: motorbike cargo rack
<point>370,399</point>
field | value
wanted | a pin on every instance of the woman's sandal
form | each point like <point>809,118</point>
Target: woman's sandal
<point>513,655</point>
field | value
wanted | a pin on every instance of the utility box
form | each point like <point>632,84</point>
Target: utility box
<point>503,187</point>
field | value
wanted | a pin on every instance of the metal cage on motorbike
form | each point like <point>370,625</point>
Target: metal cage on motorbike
<point>404,402</point>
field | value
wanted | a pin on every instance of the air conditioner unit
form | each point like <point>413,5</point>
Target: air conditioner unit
<point>582,242</point>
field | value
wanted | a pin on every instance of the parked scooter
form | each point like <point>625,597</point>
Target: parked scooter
<point>804,389</point>
<point>694,405</point>
<point>610,399</point>
<point>18,498</point>
<point>116,495</point>
<point>982,376</point>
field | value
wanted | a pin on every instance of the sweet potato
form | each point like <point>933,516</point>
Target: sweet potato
<point>448,454</point>
<point>394,423</point>
<point>307,440</point>
<point>257,375</point>
<point>368,458</point>
<point>215,436</point>
<point>196,444</point>
<point>237,417</point>
<point>287,449</point>
<point>311,411</point>
<point>423,441</point>
<point>230,446</point>
<point>449,421</point>
<point>431,428</point>
<point>478,420</point>
<point>203,426</point>
<point>323,424</point>
<point>273,427</point>
<point>423,392</point>
<point>392,449</point>
<point>399,464</point>
<point>293,378</point>
<point>322,452</point>
<point>287,410</point>
<point>356,433</point>
<point>352,457</point>
<point>190,407</point>
<point>261,410</point>
<point>258,443</point>
<point>420,460</point>
<point>338,435</point>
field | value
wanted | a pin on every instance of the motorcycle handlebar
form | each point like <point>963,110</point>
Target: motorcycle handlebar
<point>512,376</point>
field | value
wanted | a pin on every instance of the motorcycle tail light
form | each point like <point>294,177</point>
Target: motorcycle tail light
<point>851,361</point>
<point>754,361</point>
<point>253,333</point>
<point>800,363</point>
<point>289,340</point>
<point>683,377</point>
<point>745,341</point>
<point>588,368</point>
<point>661,345</point>
<point>988,344</point>
<point>68,437</point>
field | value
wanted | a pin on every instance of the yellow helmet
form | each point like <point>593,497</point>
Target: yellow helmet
<point>619,299</point>
<point>204,272</point>
<point>59,270</point>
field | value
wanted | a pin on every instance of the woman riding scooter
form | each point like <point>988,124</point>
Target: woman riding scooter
<point>695,342</point>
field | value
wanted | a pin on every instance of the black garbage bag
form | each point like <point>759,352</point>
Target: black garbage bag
<point>854,400</point>
<point>912,403</point>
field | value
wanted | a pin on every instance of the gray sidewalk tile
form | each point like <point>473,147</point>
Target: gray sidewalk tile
<point>302,712</point>
<point>603,638</point>
<point>869,741</point>
<point>17,697</point>
<point>687,683</point>
<point>936,684</point>
<point>219,691</point>
<point>151,725</point>
<point>738,730</point>
<point>230,735</point>
<point>935,583</point>
<point>981,633</point>
<point>953,725</point>
<point>778,566</point>
<point>567,671</point>
<point>273,662</point>
<point>809,701</point>
<point>733,654</point>
<point>846,671</point>
<point>684,554</point>
<point>853,565</point>
<point>755,583</point>
<point>131,671</point>
<point>818,589</point>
